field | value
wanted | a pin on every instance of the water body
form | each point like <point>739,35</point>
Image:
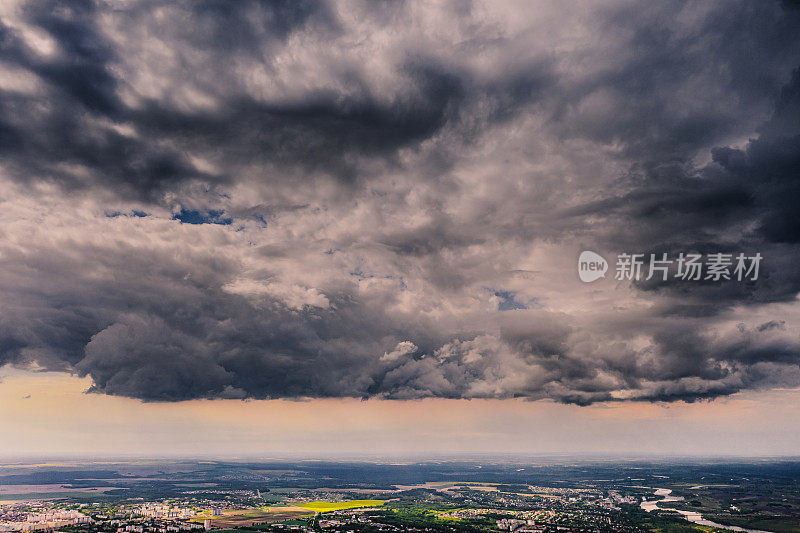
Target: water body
<point>691,516</point>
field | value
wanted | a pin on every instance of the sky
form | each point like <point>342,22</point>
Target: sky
<point>345,227</point>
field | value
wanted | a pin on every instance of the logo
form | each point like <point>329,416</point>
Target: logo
<point>689,266</point>
<point>591,266</point>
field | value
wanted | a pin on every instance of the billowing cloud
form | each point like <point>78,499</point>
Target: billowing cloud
<point>358,199</point>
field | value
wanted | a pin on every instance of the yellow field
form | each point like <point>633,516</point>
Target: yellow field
<point>323,507</point>
<point>257,515</point>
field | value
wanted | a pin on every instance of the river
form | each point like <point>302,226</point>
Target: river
<point>691,516</point>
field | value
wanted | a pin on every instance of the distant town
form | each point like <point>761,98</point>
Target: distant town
<point>358,498</point>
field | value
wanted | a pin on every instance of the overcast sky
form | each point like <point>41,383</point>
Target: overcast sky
<point>341,201</point>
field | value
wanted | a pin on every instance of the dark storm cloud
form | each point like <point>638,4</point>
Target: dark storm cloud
<point>43,133</point>
<point>658,94</point>
<point>291,199</point>
<point>326,131</point>
<point>744,200</point>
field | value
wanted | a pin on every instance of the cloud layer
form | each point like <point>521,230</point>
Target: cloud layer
<point>359,199</point>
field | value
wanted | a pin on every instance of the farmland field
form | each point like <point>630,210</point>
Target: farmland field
<point>261,515</point>
<point>322,507</point>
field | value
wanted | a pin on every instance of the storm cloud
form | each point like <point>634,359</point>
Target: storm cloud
<point>387,200</point>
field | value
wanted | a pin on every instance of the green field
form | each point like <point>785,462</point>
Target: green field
<point>324,507</point>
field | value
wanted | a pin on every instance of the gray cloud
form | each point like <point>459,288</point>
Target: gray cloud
<point>207,200</point>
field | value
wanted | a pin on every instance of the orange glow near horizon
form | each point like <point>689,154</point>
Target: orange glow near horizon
<point>50,413</point>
